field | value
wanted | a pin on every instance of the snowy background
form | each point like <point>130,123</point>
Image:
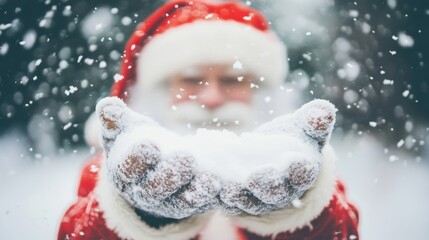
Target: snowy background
<point>392,196</point>
<point>57,58</point>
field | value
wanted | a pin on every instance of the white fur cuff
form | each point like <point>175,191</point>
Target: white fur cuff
<point>291,219</point>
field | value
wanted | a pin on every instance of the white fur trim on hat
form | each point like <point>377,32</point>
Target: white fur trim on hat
<point>212,42</point>
<point>121,218</point>
<point>313,203</point>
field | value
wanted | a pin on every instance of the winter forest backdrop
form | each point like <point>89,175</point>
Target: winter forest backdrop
<point>57,58</point>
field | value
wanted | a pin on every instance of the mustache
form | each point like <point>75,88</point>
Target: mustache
<point>233,113</point>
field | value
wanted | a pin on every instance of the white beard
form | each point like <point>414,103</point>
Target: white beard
<point>237,117</point>
<point>186,117</point>
<point>232,116</point>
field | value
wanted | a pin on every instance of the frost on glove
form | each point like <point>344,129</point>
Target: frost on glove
<point>158,183</point>
<point>174,176</point>
<point>281,185</point>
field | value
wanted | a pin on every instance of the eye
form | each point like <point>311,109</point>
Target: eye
<point>235,81</point>
<point>229,80</point>
<point>192,81</point>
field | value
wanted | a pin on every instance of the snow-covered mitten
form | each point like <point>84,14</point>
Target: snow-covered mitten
<point>272,188</point>
<point>160,184</point>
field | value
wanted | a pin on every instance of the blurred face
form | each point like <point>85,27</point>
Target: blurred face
<point>211,86</point>
<point>211,96</point>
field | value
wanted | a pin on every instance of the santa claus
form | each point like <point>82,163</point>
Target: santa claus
<point>190,65</point>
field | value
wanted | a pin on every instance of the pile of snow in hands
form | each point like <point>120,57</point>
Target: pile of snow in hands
<point>295,138</point>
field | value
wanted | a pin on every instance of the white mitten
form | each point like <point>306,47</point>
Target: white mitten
<point>160,184</point>
<point>276,187</point>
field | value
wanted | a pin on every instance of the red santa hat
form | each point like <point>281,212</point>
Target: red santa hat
<point>183,33</point>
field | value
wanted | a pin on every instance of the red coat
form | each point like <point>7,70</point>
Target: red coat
<point>85,219</point>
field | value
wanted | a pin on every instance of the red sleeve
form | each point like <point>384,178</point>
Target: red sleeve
<point>83,220</point>
<point>89,175</point>
<point>339,220</point>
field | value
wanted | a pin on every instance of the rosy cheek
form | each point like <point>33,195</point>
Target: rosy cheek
<point>182,95</point>
<point>241,96</point>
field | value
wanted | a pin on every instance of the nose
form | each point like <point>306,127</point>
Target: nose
<point>211,95</point>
